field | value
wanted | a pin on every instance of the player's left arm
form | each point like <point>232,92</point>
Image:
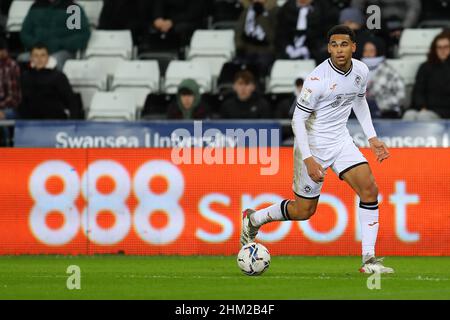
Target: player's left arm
<point>362,112</point>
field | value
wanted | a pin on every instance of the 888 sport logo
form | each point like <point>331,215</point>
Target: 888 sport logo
<point>112,201</point>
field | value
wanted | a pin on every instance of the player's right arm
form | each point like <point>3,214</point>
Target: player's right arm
<point>305,106</point>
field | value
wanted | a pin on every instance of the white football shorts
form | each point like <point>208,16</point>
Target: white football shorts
<point>345,159</point>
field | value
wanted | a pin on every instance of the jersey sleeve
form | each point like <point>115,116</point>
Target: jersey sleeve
<point>364,83</point>
<point>309,96</point>
<point>306,104</point>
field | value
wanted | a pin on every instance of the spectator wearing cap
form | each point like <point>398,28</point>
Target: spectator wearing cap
<point>47,93</point>
<point>188,103</point>
<point>46,23</point>
<point>385,89</point>
<point>355,20</point>
<point>431,94</point>
<point>245,102</point>
<point>10,90</point>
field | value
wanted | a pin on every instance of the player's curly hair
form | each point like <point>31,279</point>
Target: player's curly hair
<point>341,29</point>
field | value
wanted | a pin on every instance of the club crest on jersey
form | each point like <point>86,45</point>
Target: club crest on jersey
<point>358,81</point>
<point>308,189</point>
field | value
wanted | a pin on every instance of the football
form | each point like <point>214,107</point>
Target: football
<point>253,259</point>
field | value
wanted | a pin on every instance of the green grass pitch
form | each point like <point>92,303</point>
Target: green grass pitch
<point>186,278</point>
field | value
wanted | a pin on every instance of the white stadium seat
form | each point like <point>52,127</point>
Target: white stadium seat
<point>109,48</point>
<point>212,43</point>
<point>407,68</point>
<point>113,106</point>
<point>138,77</point>
<point>285,72</point>
<point>105,43</point>
<point>415,42</point>
<point>178,71</point>
<point>215,64</point>
<point>86,77</point>
<point>17,13</point>
<point>93,9</point>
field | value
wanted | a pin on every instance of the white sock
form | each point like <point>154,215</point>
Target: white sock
<point>368,218</point>
<point>277,212</point>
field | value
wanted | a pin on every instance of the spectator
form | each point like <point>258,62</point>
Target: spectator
<point>125,15</point>
<point>286,107</point>
<point>188,104</point>
<point>178,18</point>
<point>385,89</point>
<point>10,91</point>
<point>355,20</point>
<point>396,15</point>
<point>302,27</point>
<point>431,94</point>
<point>255,35</point>
<point>46,23</point>
<point>47,93</point>
<point>245,102</point>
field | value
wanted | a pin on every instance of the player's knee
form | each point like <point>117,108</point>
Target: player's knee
<point>302,213</point>
<point>369,193</point>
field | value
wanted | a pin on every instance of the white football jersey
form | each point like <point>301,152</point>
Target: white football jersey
<point>328,95</point>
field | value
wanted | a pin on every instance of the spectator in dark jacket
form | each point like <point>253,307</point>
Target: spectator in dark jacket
<point>188,103</point>
<point>125,15</point>
<point>255,35</point>
<point>46,23</point>
<point>301,28</point>
<point>47,93</point>
<point>431,95</point>
<point>245,103</point>
<point>178,17</point>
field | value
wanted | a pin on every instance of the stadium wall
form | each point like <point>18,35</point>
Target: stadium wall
<point>138,202</point>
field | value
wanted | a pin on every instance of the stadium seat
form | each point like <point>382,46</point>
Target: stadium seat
<point>212,43</point>
<point>109,48</point>
<point>284,73</point>
<point>417,42</point>
<point>407,68</point>
<point>214,47</point>
<point>113,106</point>
<point>93,9</point>
<point>138,77</point>
<point>86,77</point>
<point>17,13</point>
<point>181,70</point>
<point>215,65</point>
